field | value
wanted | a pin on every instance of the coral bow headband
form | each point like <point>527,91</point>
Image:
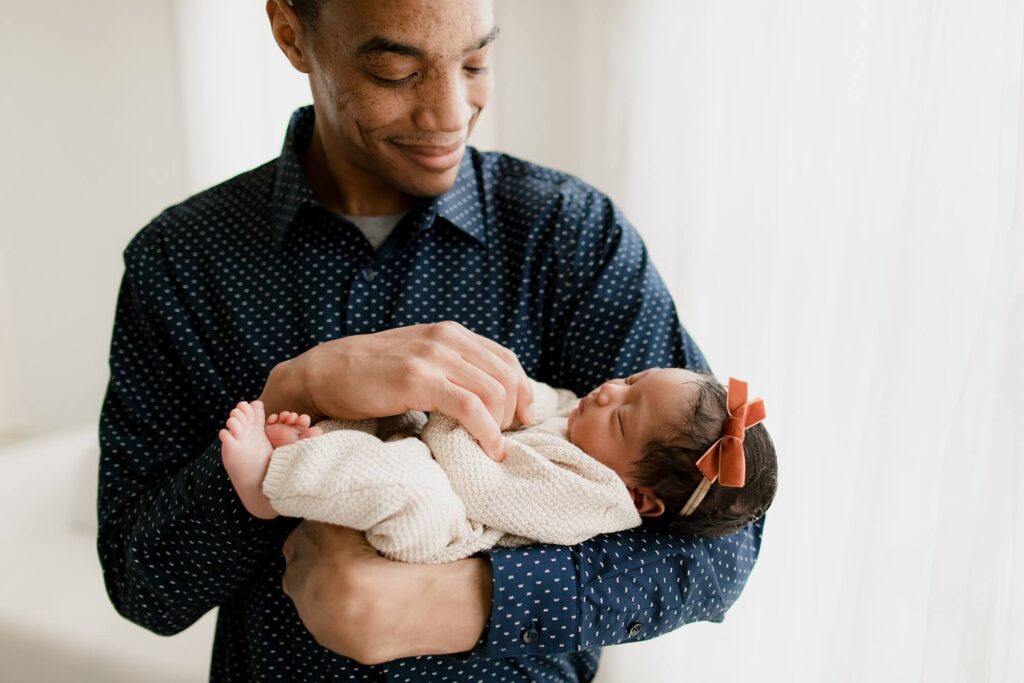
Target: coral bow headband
<point>724,461</point>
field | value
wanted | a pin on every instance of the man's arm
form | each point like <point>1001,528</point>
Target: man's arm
<point>173,540</point>
<point>601,592</point>
<point>373,610</point>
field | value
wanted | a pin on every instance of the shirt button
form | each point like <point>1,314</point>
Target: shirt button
<point>634,629</point>
<point>369,275</point>
<point>530,635</point>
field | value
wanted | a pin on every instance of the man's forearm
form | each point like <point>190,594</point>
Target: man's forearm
<point>446,608</point>
<point>286,389</point>
<point>379,609</point>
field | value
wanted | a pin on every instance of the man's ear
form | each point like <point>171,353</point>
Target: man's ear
<point>291,36</point>
<point>647,503</point>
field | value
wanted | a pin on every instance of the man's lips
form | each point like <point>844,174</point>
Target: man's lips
<point>433,157</point>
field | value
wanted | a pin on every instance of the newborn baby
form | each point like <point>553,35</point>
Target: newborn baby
<point>652,445</point>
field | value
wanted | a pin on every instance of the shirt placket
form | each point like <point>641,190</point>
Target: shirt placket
<point>372,293</point>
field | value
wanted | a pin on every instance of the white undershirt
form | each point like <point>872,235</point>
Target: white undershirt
<point>375,228</point>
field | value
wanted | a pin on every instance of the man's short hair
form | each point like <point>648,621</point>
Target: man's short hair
<point>308,10</point>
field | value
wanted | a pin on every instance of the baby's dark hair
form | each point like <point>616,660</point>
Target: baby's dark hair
<point>669,468</point>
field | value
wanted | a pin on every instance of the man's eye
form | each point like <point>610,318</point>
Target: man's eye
<point>393,82</point>
<point>477,70</point>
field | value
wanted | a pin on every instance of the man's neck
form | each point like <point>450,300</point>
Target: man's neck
<point>345,189</point>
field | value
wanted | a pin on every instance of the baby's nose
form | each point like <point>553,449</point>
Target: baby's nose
<point>606,391</point>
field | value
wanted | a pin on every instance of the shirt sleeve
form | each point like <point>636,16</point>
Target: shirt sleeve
<point>173,539</point>
<point>616,318</point>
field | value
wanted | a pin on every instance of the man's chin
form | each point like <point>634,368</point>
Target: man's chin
<point>431,185</point>
<point>424,177</point>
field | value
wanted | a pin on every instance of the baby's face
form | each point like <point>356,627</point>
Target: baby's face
<point>615,421</point>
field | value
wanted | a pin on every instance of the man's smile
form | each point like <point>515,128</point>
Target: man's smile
<point>433,157</point>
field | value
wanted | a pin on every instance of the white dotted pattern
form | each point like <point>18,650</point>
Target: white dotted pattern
<point>224,286</point>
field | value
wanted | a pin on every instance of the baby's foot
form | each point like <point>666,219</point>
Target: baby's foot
<point>245,451</point>
<point>284,428</point>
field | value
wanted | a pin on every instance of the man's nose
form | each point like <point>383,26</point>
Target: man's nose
<point>444,104</point>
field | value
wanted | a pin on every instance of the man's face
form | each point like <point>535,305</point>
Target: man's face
<point>398,86</point>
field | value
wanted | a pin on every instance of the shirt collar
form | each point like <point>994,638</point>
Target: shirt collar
<point>291,187</point>
<point>461,206</point>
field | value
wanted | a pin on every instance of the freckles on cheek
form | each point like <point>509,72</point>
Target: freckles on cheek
<point>375,111</point>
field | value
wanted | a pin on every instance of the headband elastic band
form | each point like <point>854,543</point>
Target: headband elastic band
<point>725,461</point>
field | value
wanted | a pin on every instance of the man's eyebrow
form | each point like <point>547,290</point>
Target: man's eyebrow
<point>485,41</point>
<point>380,44</point>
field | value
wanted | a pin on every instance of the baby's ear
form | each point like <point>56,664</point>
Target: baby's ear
<point>647,503</point>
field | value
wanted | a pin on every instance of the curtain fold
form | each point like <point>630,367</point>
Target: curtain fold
<point>976,606</point>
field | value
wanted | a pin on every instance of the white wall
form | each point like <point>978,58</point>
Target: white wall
<point>237,88</point>
<point>91,140</point>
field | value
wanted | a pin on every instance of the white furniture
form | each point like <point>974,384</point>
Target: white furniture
<point>56,622</point>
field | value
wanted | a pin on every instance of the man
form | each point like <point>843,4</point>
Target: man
<point>380,265</point>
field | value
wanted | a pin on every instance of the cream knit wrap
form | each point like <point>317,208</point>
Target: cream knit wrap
<point>378,476</point>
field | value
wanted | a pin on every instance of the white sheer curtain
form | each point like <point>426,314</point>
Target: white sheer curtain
<point>834,193</point>
<point>976,608</point>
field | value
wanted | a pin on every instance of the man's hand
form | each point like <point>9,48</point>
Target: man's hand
<point>441,366</point>
<point>362,606</point>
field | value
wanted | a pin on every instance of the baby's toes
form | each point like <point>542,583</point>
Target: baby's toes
<point>259,414</point>
<point>311,432</point>
<point>234,425</point>
<point>303,422</point>
<point>290,418</point>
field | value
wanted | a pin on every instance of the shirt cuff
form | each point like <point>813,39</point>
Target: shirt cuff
<point>534,603</point>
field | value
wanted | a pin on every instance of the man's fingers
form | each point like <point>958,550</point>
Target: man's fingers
<point>490,391</point>
<point>524,403</point>
<point>501,364</point>
<point>467,408</point>
<point>523,389</point>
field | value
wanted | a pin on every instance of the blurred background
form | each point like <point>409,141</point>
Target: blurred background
<point>832,190</point>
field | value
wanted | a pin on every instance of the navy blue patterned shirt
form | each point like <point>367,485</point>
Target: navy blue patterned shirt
<point>221,288</point>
